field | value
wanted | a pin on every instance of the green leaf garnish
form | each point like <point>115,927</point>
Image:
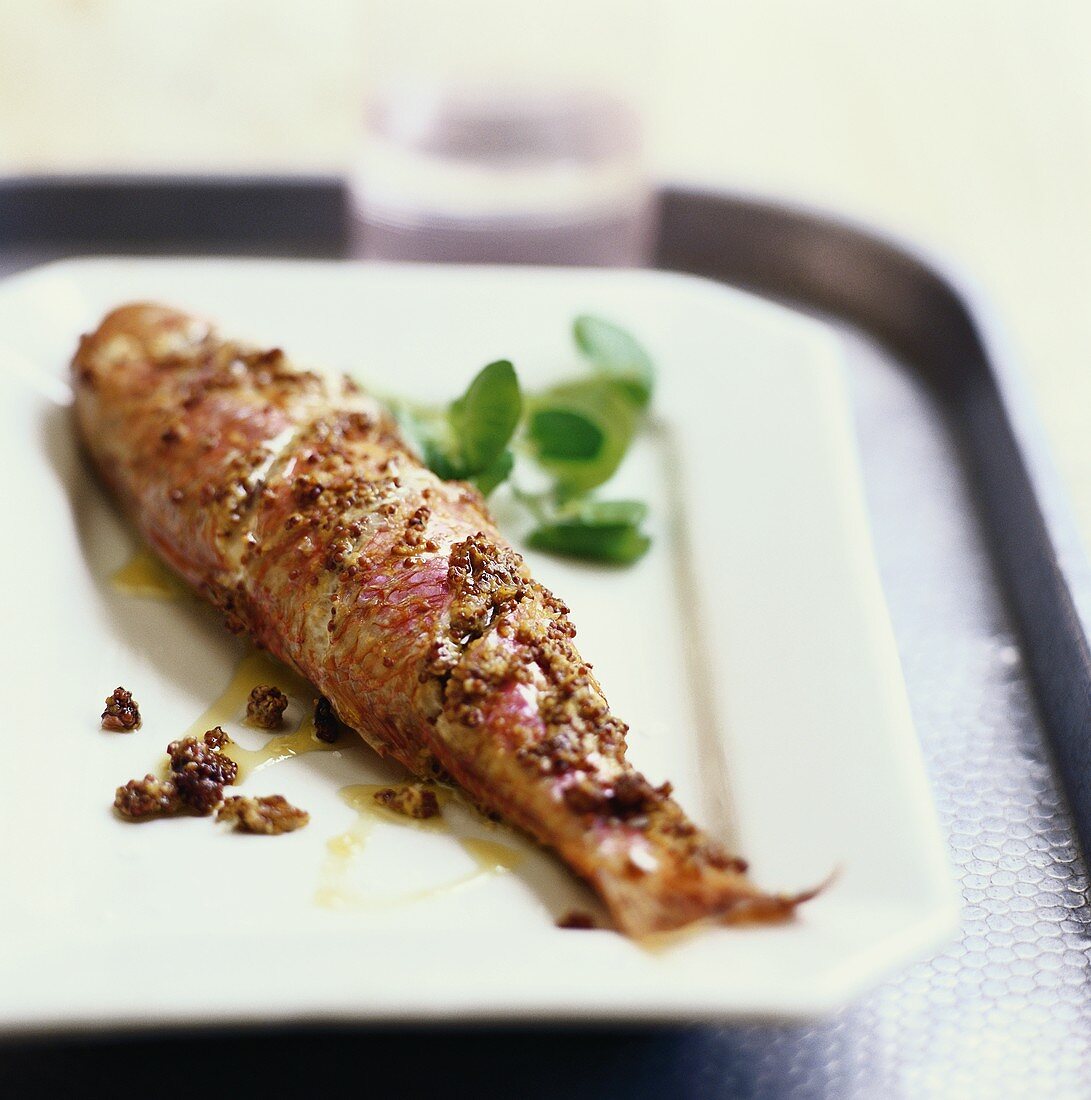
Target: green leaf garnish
<point>579,432</point>
<point>435,454</point>
<point>485,417</point>
<point>582,527</point>
<point>617,544</point>
<point>616,353</point>
<point>604,513</point>
<point>565,434</point>
<point>469,440</point>
<point>496,474</point>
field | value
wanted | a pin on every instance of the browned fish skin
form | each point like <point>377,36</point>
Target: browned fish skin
<point>292,504</point>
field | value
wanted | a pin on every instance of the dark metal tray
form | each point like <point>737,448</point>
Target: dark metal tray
<point>989,595</point>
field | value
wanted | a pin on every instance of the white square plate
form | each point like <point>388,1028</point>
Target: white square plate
<point>750,651</point>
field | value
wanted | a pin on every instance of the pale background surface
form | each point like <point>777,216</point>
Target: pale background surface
<point>965,124</point>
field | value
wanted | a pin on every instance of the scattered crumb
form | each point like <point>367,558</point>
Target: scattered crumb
<point>266,706</point>
<point>204,758</point>
<point>147,797</point>
<point>217,738</point>
<point>269,815</point>
<point>576,919</point>
<point>201,770</point>
<point>122,711</point>
<point>200,795</point>
<point>412,800</point>
<point>326,726</point>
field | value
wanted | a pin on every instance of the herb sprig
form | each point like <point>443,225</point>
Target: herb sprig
<point>576,433</point>
<point>468,441</point>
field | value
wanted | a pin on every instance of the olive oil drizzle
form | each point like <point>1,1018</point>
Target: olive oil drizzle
<point>145,576</point>
<point>342,851</point>
<point>259,668</point>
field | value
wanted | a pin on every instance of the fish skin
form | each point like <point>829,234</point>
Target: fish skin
<point>291,503</point>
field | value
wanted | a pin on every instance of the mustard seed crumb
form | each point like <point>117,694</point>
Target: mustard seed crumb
<point>326,726</point>
<point>148,797</point>
<point>269,815</point>
<point>266,706</point>
<point>201,769</point>
<point>411,799</point>
<point>204,758</point>
<point>217,738</point>
<point>122,711</point>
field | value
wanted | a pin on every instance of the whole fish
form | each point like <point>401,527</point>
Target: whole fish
<point>292,503</point>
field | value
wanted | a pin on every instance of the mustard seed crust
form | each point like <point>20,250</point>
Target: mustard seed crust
<point>576,738</point>
<point>486,580</point>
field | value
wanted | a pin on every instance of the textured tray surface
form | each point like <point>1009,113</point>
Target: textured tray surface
<point>1004,1012</point>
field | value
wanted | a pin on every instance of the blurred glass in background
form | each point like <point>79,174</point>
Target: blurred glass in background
<point>501,176</point>
<point>505,132</point>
